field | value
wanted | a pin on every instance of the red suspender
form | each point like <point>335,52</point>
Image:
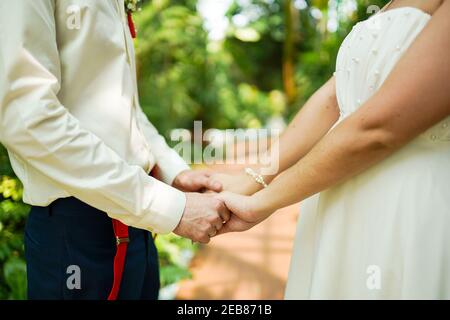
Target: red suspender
<point>120,229</point>
<point>122,239</point>
<point>131,25</point>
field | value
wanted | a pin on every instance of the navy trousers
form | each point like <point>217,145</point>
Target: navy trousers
<point>70,249</point>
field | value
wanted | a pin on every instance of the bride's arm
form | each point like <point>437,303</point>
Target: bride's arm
<point>414,97</point>
<point>310,124</point>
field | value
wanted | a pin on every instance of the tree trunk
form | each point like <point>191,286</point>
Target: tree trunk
<point>288,71</point>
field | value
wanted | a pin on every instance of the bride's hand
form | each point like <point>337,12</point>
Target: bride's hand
<point>245,213</point>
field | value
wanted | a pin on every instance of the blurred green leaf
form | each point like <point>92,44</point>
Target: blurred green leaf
<point>15,277</point>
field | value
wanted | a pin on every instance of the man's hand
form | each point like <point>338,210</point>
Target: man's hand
<point>196,181</point>
<point>204,215</point>
<point>246,213</point>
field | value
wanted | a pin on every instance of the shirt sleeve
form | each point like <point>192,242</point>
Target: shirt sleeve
<point>168,160</point>
<point>36,127</point>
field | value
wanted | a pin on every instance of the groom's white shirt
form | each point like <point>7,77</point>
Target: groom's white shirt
<point>70,116</point>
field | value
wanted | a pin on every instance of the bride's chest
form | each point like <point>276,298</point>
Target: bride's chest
<point>371,50</point>
<point>369,53</point>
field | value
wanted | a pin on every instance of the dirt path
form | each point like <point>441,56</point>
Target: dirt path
<point>250,265</point>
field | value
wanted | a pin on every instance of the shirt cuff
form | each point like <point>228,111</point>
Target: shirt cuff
<point>166,211</point>
<point>162,207</point>
<point>171,167</point>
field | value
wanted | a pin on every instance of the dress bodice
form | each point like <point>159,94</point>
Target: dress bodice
<point>369,53</point>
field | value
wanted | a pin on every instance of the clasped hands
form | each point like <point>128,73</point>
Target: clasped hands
<point>211,213</point>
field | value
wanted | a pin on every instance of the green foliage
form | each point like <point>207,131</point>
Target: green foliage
<point>237,82</point>
<point>315,47</point>
<point>174,253</point>
<point>173,64</point>
<point>184,77</point>
<point>12,222</point>
<point>5,167</point>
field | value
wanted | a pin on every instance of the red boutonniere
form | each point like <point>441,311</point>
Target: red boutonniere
<point>131,6</point>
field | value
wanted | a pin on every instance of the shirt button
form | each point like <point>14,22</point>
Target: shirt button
<point>433,137</point>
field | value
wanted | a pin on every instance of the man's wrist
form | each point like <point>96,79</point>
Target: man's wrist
<point>167,208</point>
<point>176,181</point>
<point>170,173</point>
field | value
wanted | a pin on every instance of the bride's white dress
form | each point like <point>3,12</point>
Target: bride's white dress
<point>384,234</point>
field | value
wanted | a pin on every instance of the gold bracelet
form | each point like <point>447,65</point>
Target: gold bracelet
<point>258,178</point>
